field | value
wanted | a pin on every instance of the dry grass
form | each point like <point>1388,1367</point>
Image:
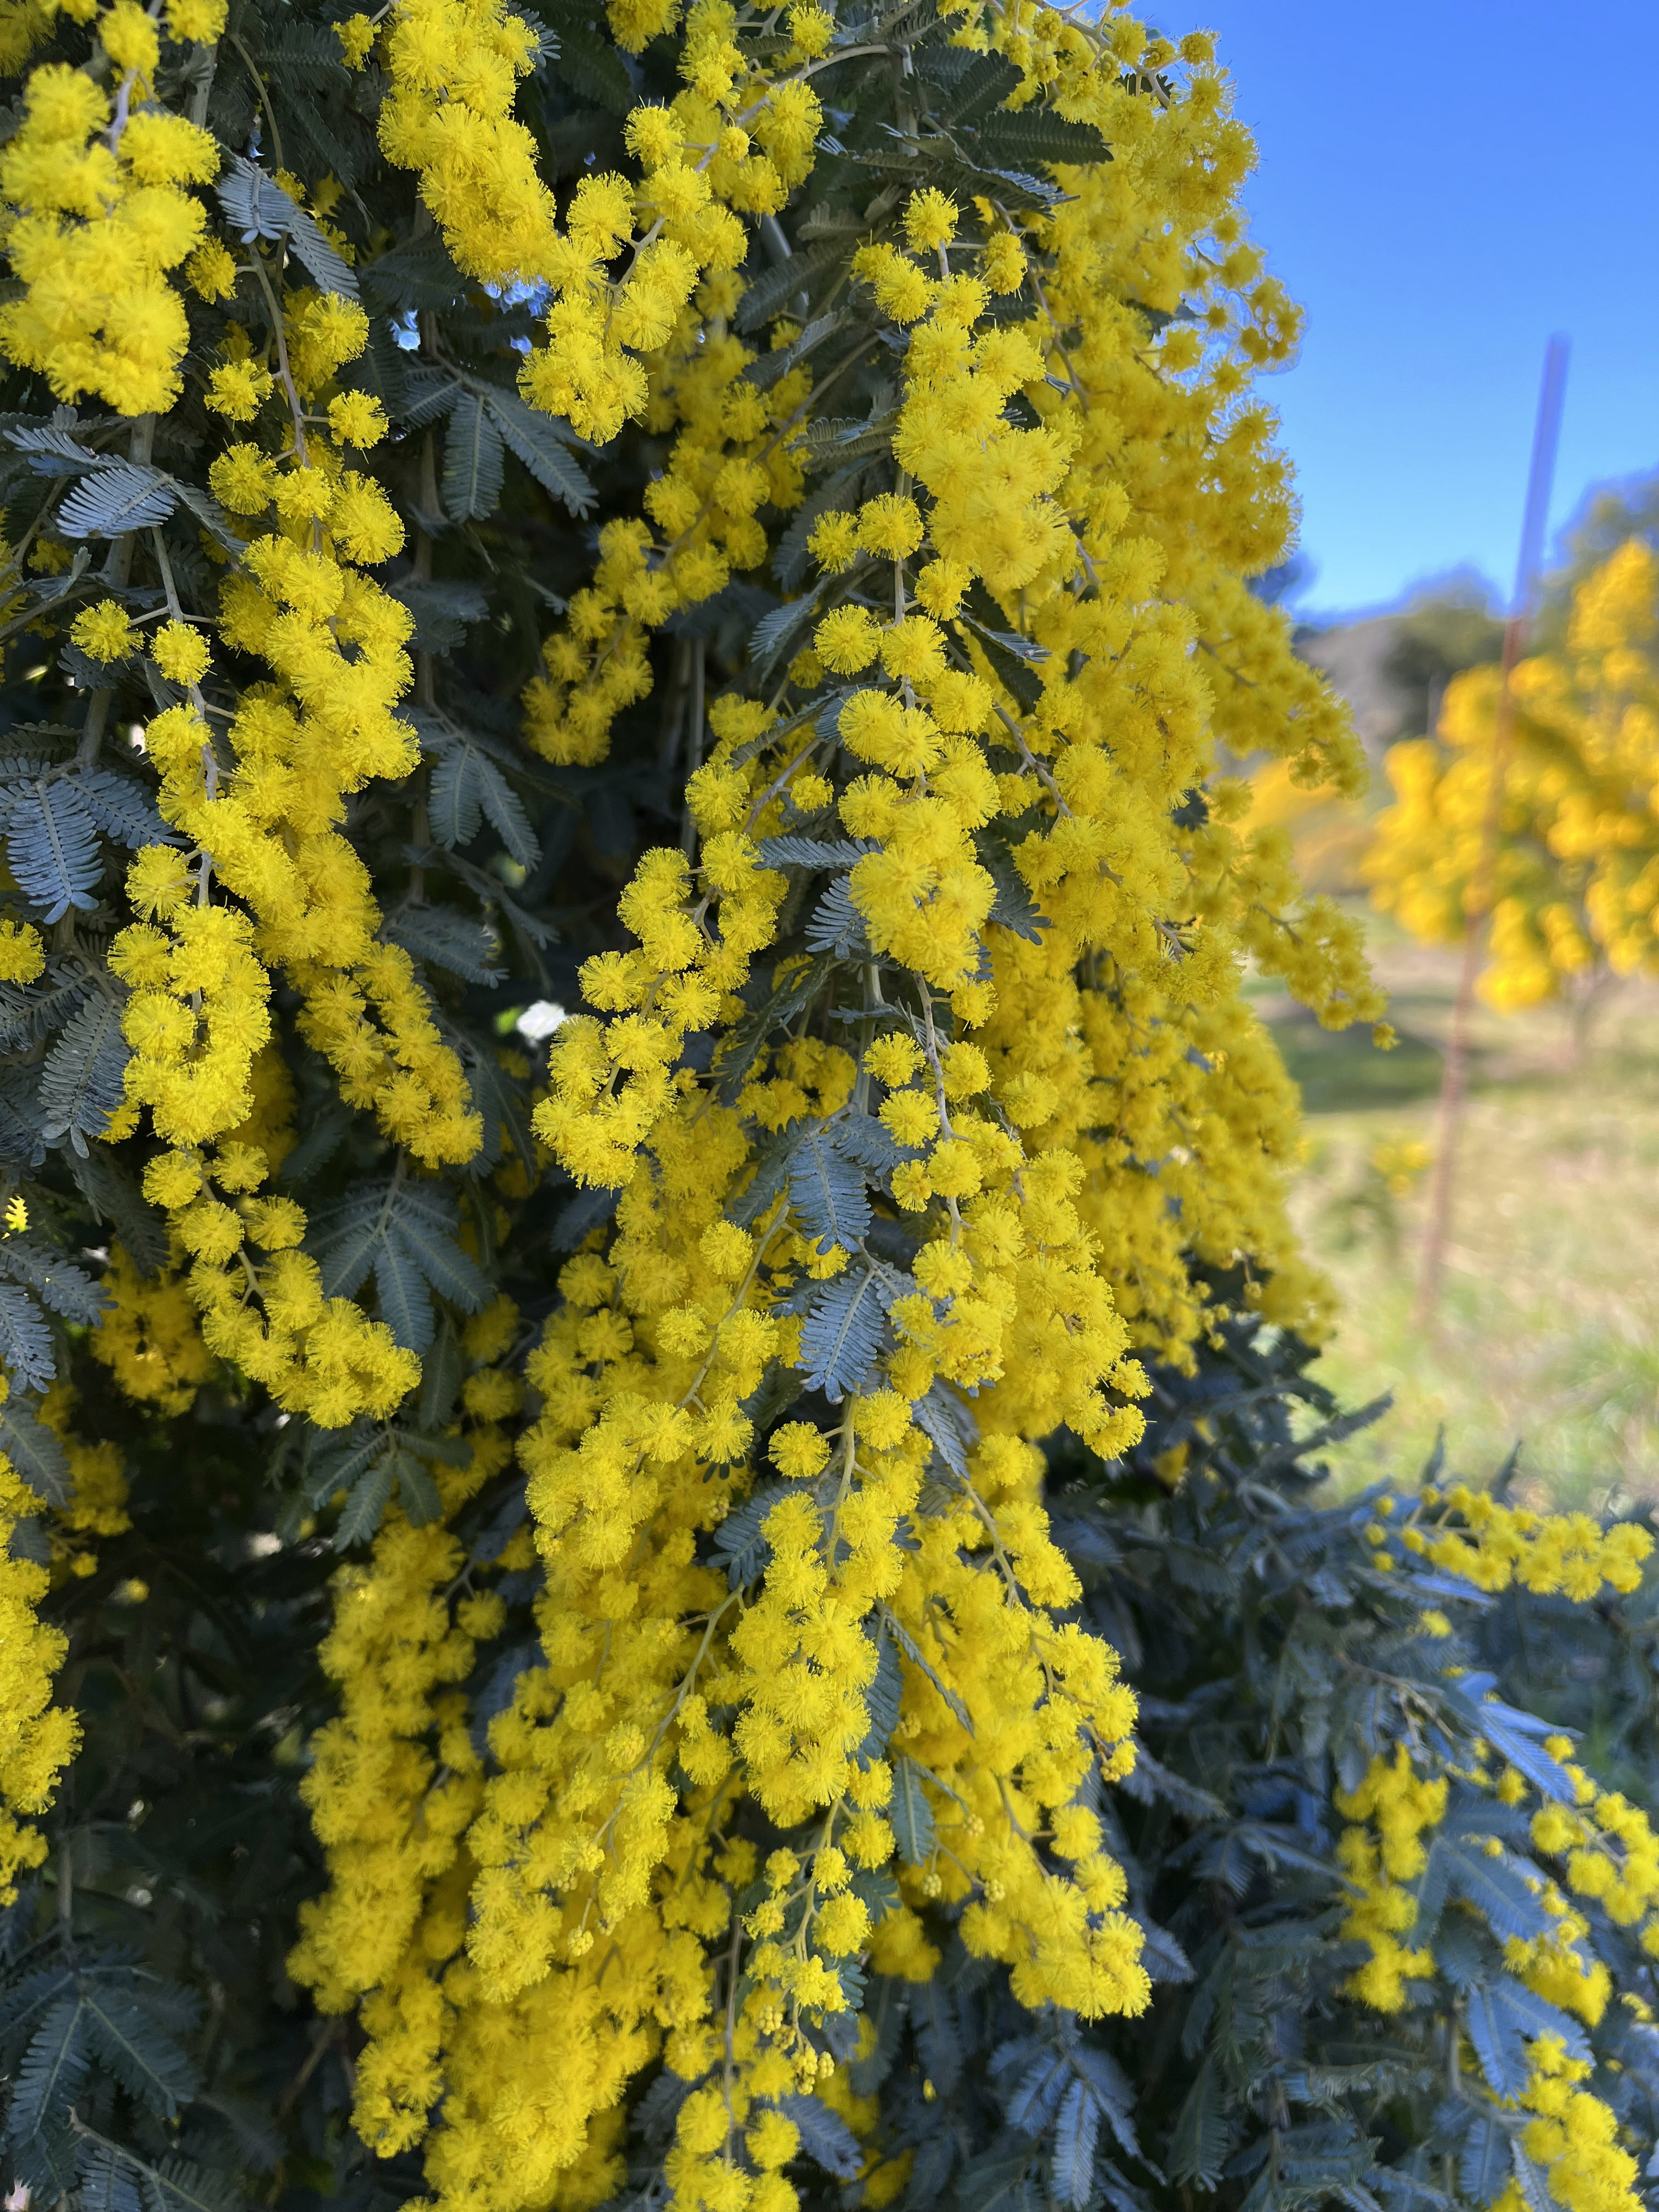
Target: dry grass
<point>1548,1333</point>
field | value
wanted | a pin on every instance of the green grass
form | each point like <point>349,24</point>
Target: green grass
<point>1548,1334</point>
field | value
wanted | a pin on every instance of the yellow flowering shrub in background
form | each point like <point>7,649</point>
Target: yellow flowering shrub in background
<point>1573,882</point>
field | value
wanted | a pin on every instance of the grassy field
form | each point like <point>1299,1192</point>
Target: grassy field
<point>1548,1330</point>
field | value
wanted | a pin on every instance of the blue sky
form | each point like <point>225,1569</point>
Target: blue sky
<point>1441,184</point>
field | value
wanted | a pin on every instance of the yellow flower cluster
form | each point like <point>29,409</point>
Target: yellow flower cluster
<point>592,1881</point>
<point>91,230</point>
<point>520,2059</point>
<point>1605,1846</point>
<point>150,1338</point>
<point>37,1738</point>
<point>97,1503</point>
<point>94,213</point>
<point>1153,1047</point>
<point>454,66</point>
<point>1380,1860</point>
<point>1612,1855</point>
<point>1573,883</point>
<point>1558,1967</point>
<point>568,1915</point>
<point>728,460</point>
<point>1611,1852</point>
<point>730,455</point>
<point>732,143</point>
<point>263,883</point>
<point>407,1623</point>
<point>265,823</point>
<point>1470,1534</point>
<point>1574,2137</point>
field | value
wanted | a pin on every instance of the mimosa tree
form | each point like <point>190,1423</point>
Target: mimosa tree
<point>530,1617</point>
<point>1574,834</point>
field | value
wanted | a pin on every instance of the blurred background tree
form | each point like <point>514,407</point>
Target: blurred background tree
<point>1576,859</point>
<point>1550,1321</point>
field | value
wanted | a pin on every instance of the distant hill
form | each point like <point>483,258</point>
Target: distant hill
<point>1393,667</point>
<point>1357,657</point>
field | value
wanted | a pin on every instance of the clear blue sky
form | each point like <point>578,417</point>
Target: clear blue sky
<point>1442,182</point>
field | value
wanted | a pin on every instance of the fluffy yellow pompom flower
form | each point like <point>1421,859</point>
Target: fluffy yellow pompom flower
<point>356,35</point>
<point>158,881</point>
<point>180,653</point>
<point>833,542</point>
<point>799,1451</point>
<point>211,271</point>
<point>890,525</point>
<point>930,219</point>
<point>130,37</point>
<point>238,389</point>
<point>356,418</point>
<point>1003,266</point>
<point>243,479</point>
<point>812,27</point>
<point>104,631</point>
<point>902,289</point>
<point>22,955</point>
<point>847,639</point>
<point>197,20</point>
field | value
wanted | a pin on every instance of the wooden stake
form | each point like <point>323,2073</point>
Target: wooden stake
<point>1479,901</point>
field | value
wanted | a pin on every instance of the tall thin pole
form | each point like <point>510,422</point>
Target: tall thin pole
<point>1479,901</point>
